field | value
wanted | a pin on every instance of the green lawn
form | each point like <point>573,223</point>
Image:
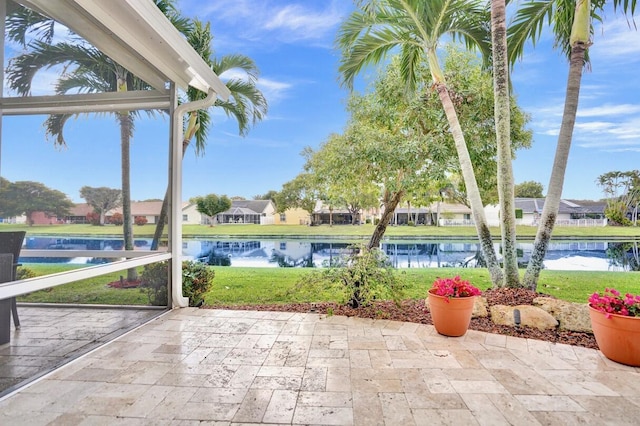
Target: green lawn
<point>266,285</point>
<point>89,291</point>
<point>274,285</point>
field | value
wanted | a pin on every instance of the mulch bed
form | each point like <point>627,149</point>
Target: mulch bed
<point>415,311</point>
<point>124,284</point>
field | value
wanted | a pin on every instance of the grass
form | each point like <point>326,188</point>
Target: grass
<point>267,286</point>
<point>247,286</point>
<point>89,291</point>
<point>337,231</point>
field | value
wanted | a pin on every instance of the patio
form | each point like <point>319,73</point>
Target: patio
<point>232,367</point>
<point>51,336</point>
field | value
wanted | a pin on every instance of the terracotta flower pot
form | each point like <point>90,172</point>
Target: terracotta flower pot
<point>618,336</point>
<point>451,316</point>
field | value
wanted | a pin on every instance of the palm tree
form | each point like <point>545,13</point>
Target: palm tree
<point>377,27</point>
<point>246,104</point>
<point>87,70</point>
<point>571,25</point>
<point>502,109</point>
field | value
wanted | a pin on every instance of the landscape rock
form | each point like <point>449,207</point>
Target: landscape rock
<point>480,308</point>
<point>530,316</point>
<point>571,316</point>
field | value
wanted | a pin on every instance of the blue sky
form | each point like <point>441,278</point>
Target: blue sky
<point>293,44</point>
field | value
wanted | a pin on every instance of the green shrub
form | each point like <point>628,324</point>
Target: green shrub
<point>357,279</point>
<point>616,213</point>
<point>410,223</point>
<point>23,273</point>
<point>197,279</point>
<point>154,280</point>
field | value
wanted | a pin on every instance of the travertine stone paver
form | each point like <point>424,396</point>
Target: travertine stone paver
<point>243,367</point>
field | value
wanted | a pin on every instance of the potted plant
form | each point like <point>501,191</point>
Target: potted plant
<point>451,303</point>
<point>615,320</point>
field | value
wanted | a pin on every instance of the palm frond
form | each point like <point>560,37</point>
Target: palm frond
<point>235,61</point>
<point>22,21</point>
<point>54,126</point>
<point>527,24</point>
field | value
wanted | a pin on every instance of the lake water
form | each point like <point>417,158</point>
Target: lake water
<point>420,253</point>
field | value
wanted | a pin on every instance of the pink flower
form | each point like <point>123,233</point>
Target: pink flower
<point>611,302</point>
<point>454,287</point>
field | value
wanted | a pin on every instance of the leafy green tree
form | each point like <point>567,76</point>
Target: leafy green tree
<point>416,27</point>
<point>269,195</point>
<point>212,204</point>
<point>298,193</point>
<point>102,199</point>
<point>246,104</point>
<point>26,197</point>
<point>570,23</point>
<point>529,189</point>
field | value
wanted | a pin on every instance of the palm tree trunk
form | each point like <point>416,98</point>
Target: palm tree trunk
<point>552,201</point>
<point>125,139</point>
<point>466,167</point>
<point>164,211</point>
<point>473,193</point>
<point>390,204</point>
<point>503,136</point>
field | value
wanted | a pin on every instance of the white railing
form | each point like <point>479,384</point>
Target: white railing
<point>561,222</point>
<point>581,222</point>
<point>133,260</point>
<point>456,222</point>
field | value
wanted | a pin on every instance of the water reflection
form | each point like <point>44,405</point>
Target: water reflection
<point>562,255</point>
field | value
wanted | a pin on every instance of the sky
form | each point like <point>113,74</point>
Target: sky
<point>292,42</point>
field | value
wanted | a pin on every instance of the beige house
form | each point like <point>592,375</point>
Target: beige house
<point>296,216</point>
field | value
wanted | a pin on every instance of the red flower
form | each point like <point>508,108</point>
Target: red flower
<point>611,302</point>
<point>454,287</point>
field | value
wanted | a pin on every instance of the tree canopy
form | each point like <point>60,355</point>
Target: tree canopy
<point>102,199</point>
<point>212,204</point>
<point>529,189</point>
<point>27,197</point>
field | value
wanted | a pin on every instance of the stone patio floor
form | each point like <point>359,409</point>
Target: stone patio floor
<point>219,367</point>
<point>54,335</point>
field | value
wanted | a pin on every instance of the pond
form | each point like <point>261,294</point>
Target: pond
<point>586,255</point>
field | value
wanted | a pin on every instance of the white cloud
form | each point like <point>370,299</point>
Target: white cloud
<point>270,19</point>
<point>274,90</point>
<point>616,39</point>
<point>609,109</point>
<point>302,23</point>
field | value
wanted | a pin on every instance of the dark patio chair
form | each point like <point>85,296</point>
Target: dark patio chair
<point>11,242</point>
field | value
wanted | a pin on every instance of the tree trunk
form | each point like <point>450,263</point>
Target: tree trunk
<point>157,235</point>
<point>552,201</point>
<point>164,211</point>
<point>125,139</point>
<point>502,115</point>
<point>390,205</point>
<point>473,193</point>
